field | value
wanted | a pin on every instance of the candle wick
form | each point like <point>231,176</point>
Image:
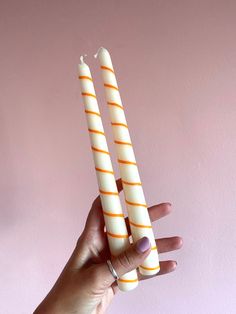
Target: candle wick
<point>97,53</point>
<point>82,58</point>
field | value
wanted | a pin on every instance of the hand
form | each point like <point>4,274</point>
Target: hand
<point>86,284</point>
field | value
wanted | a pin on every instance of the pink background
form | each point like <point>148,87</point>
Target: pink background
<point>176,68</point>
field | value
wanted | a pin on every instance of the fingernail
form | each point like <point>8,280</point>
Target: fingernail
<point>143,245</point>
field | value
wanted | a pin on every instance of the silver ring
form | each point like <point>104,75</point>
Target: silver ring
<point>112,270</point>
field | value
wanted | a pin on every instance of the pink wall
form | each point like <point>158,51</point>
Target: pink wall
<point>176,65</point>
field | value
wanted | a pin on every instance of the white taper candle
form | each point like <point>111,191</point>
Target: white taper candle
<point>134,197</point>
<point>112,210</point>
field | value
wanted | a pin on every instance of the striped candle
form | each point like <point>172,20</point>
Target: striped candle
<point>139,219</point>
<point>117,234</point>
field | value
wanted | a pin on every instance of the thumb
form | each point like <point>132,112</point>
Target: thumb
<point>125,262</point>
<point>132,257</point>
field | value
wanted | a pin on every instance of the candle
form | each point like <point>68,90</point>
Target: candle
<point>117,234</point>
<point>139,219</point>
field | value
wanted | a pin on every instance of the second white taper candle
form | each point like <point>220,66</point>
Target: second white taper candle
<point>134,197</point>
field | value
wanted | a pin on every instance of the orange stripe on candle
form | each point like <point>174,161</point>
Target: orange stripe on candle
<point>113,215</point>
<point>139,226</point>
<point>93,112</point>
<point>111,86</point>
<point>115,104</point>
<point>108,193</point>
<point>99,150</point>
<point>104,170</point>
<point>127,280</point>
<point>135,204</point>
<point>119,124</point>
<point>127,162</point>
<point>85,78</point>
<point>150,268</point>
<point>103,67</point>
<point>96,131</point>
<point>118,235</point>
<point>131,183</point>
<point>88,94</point>
<point>122,143</point>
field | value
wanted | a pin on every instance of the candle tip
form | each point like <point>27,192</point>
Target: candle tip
<point>82,58</point>
<point>99,50</point>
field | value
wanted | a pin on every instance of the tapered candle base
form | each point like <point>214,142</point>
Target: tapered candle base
<point>126,283</point>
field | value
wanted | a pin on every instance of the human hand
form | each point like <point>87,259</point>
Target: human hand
<point>86,284</point>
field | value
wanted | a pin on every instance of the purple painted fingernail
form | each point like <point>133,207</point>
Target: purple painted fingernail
<point>143,245</point>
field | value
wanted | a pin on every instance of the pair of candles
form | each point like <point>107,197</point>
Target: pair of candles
<point>139,220</point>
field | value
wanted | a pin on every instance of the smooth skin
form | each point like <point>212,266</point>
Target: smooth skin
<point>86,285</point>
